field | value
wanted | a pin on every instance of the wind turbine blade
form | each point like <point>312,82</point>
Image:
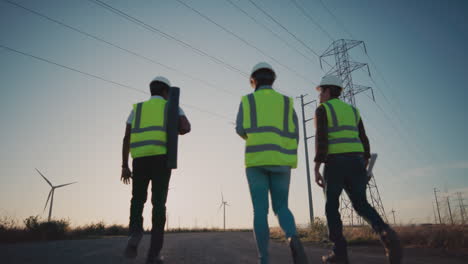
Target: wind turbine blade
<point>44,178</point>
<point>48,197</point>
<point>222,197</point>
<point>58,186</point>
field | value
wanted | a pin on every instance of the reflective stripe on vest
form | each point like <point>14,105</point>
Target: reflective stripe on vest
<point>270,140</point>
<point>343,133</point>
<point>148,133</point>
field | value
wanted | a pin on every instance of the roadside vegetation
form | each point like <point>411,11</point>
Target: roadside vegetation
<point>34,228</point>
<point>448,237</point>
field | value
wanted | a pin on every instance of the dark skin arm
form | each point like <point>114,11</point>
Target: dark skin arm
<point>184,125</point>
<point>126,173</point>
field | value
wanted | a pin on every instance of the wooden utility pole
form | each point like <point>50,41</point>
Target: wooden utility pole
<point>449,209</point>
<point>462,207</point>
<point>437,204</point>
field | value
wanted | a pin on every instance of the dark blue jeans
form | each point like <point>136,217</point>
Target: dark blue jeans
<point>347,172</point>
<point>145,170</point>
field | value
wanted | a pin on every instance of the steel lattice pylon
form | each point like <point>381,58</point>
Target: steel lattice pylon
<point>343,68</point>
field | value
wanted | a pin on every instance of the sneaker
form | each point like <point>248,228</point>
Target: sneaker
<point>392,245</point>
<point>297,250</point>
<point>333,258</point>
<point>131,250</point>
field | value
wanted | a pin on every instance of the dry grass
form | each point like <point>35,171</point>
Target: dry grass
<point>451,237</point>
<point>35,229</point>
<point>448,237</point>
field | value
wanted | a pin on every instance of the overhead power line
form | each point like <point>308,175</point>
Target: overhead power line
<point>104,79</point>
<point>246,42</point>
<point>168,36</point>
<point>285,29</point>
<point>240,9</point>
<point>308,16</point>
<point>338,21</point>
<point>133,53</point>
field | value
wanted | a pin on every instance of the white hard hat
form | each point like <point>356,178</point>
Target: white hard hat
<point>162,79</point>
<point>261,65</point>
<point>330,80</point>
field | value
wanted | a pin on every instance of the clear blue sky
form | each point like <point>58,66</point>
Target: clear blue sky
<point>71,126</point>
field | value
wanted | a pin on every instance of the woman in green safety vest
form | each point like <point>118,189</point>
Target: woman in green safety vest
<point>268,123</point>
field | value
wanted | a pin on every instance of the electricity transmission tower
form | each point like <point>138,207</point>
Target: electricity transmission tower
<point>344,67</point>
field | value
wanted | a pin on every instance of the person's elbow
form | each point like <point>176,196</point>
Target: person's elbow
<point>241,132</point>
<point>184,125</point>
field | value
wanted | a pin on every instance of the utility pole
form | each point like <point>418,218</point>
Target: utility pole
<point>306,149</point>
<point>437,204</point>
<point>462,207</point>
<point>449,209</point>
<point>394,219</point>
<point>435,217</point>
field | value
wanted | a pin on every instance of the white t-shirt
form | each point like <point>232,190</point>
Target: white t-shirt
<point>132,114</point>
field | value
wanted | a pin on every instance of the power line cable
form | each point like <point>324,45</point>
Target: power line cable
<point>307,15</point>
<point>99,39</point>
<point>287,30</point>
<point>103,79</point>
<point>336,19</point>
<point>230,32</point>
<point>240,9</point>
<point>168,36</point>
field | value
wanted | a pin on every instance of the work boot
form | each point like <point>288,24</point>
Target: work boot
<point>297,250</point>
<point>131,250</point>
<point>153,259</point>
<point>333,258</point>
<point>392,245</point>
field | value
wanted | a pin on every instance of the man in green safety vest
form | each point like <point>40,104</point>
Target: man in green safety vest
<point>146,138</point>
<point>268,123</point>
<point>342,144</point>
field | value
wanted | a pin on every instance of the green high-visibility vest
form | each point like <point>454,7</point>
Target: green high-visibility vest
<point>343,132</point>
<point>148,134</point>
<point>271,132</point>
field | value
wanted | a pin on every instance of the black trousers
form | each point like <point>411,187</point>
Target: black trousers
<point>347,172</point>
<point>146,169</point>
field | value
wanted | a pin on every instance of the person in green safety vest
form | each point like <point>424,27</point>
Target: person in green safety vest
<point>342,144</point>
<point>268,123</point>
<point>145,138</point>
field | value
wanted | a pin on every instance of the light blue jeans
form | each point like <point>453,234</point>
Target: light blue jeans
<point>273,179</point>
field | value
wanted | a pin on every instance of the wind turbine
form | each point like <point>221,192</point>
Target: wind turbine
<point>51,193</point>
<point>223,204</point>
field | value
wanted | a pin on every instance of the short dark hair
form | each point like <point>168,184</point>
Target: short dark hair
<point>264,77</point>
<point>158,88</point>
<point>335,91</point>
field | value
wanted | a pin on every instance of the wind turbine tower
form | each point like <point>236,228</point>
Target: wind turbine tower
<point>223,204</point>
<point>51,194</point>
